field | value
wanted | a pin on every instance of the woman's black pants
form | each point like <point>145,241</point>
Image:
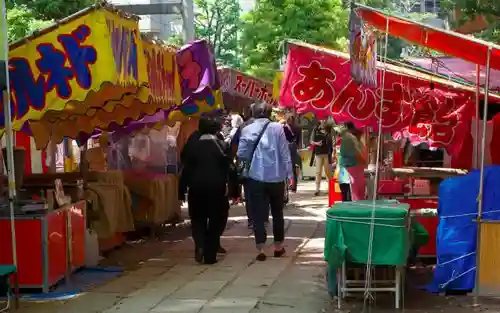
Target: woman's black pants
<point>294,154</point>
<point>208,210</point>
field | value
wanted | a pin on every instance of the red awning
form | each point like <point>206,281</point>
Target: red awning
<point>447,42</point>
<point>458,69</point>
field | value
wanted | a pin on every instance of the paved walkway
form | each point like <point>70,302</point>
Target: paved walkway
<point>237,284</point>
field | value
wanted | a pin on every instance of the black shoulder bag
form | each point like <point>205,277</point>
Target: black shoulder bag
<point>244,166</point>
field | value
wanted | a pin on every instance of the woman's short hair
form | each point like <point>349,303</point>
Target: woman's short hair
<point>261,110</point>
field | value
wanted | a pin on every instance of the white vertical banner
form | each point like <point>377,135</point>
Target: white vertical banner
<point>4,86</point>
<point>362,51</point>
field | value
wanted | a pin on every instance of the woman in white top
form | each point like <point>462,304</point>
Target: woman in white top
<point>234,188</point>
<point>236,122</point>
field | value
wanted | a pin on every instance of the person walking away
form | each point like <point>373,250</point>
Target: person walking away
<point>264,146</point>
<point>323,149</point>
<point>293,135</point>
<point>353,159</point>
<point>234,187</point>
<point>236,122</point>
<point>205,175</point>
<point>234,144</point>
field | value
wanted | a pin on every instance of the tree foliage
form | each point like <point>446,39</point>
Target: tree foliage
<point>218,22</point>
<point>469,9</point>
<point>176,40</point>
<point>21,22</point>
<point>320,22</point>
<point>51,9</point>
<point>26,16</point>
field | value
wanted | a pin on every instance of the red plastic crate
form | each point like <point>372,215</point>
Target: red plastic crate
<point>334,193</point>
<point>391,187</point>
<point>430,223</point>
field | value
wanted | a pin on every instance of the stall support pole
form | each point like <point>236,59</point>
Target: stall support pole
<point>475,158</point>
<point>481,180</point>
<point>4,57</point>
<point>368,274</point>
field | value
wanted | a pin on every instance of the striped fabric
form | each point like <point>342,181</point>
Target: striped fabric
<point>35,159</point>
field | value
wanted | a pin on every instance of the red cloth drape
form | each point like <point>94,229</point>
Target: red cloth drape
<point>495,141</point>
<point>24,141</point>
<point>463,159</point>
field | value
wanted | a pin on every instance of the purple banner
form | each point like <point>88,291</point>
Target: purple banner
<point>198,74</point>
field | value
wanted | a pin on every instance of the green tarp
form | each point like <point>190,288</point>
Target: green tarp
<point>348,233</point>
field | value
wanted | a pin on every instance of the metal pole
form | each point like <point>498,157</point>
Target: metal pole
<point>4,57</point>
<point>368,274</point>
<point>481,179</point>
<point>475,163</point>
<point>188,20</point>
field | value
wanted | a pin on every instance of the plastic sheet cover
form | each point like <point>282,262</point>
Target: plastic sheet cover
<point>153,151</point>
<point>457,231</point>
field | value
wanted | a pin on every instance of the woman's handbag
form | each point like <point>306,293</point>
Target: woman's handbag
<point>244,165</point>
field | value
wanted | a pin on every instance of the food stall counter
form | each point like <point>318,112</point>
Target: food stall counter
<point>50,244</point>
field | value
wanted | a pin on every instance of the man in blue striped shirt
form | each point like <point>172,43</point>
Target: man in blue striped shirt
<point>270,166</point>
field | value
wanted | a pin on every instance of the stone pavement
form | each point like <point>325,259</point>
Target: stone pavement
<point>174,282</point>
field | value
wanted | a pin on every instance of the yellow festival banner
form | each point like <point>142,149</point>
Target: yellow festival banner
<point>164,85</point>
<point>78,69</point>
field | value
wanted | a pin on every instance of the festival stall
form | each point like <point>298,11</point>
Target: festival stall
<point>425,108</point>
<point>479,201</point>
<point>88,71</point>
<point>440,122</point>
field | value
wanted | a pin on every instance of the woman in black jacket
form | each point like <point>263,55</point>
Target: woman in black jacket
<point>205,175</point>
<point>322,141</point>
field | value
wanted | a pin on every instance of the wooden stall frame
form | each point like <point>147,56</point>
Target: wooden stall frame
<point>488,258</point>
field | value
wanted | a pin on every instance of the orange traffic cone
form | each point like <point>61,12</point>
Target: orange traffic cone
<point>334,192</point>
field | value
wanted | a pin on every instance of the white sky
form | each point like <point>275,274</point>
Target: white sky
<point>247,5</point>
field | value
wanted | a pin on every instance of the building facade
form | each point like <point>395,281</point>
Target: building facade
<point>162,18</point>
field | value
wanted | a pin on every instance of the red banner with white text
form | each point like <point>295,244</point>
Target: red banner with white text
<point>319,81</point>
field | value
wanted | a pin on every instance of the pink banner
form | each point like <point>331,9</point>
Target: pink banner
<point>319,81</point>
<point>246,86</point>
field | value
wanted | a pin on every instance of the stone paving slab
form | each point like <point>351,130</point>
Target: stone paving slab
<point>92,302</point>
<point>202,290</point>
<point>222,304</point>
<point>179,306</point>
<point>123,285</point>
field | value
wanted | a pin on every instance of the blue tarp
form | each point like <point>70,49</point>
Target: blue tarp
<point>456,235</point>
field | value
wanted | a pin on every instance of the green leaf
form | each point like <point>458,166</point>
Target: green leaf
<point>51,9</point>
<point>219,23</point>
<point>21,22</point>
<point>321,22</point>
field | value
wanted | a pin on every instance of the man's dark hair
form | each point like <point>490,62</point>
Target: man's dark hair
<point>250,110</point>
<point>261,110</point>
<point>350,126</point>
<point>208,125</point>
